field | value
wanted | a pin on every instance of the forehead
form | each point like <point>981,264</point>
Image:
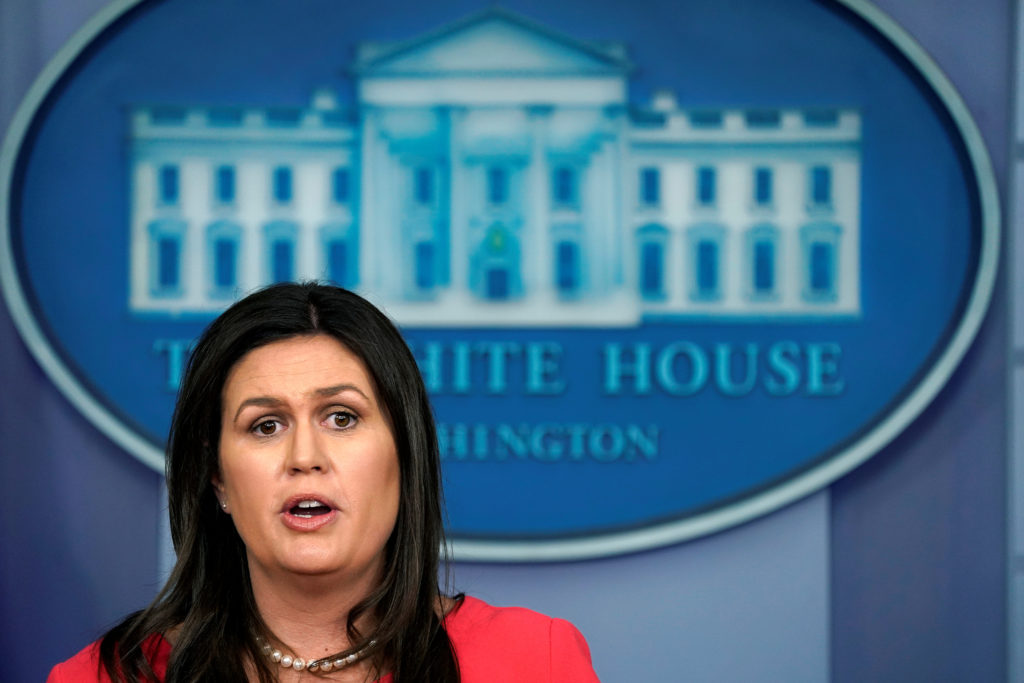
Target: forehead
<point>297,364</point>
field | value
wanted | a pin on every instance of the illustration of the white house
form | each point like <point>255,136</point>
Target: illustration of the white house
<point>493,173</point>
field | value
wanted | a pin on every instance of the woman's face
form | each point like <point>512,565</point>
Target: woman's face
<point>308,465</point>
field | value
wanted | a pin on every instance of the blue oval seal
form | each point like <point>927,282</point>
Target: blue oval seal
<point>665,268</point>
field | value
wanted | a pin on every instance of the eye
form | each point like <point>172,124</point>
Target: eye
<point>267,427</point>
<point>341,420</point>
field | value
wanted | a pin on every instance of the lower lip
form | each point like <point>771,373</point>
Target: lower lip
<point>296,523</point>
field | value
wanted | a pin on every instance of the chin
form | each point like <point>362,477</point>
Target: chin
<point>313,570</point>
<point>298,564</point>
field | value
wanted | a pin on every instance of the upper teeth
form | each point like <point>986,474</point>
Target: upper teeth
<point>310,504</point>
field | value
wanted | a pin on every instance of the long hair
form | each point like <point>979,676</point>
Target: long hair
<point>208,598</point>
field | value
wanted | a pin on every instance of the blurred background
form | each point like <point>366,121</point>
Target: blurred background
<point>904,569</point>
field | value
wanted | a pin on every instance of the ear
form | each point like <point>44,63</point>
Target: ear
<point>218,490</point>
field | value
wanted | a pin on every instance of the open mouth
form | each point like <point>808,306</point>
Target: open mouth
<point>308,509</point>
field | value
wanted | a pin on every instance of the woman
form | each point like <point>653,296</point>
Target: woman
<point>304,490</point>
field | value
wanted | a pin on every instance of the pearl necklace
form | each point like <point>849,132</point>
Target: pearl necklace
<point>324,664</point>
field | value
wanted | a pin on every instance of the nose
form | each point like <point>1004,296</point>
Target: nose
<point>306,452</point>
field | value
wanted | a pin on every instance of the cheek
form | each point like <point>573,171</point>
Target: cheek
<point>385,489</point>
<point>243,478</point>
<point>393,475</point>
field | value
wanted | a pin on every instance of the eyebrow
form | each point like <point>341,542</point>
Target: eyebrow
<point>338,388</point>
<point>323,392</point>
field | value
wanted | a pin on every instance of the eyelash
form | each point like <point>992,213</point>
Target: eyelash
<point>348,415</point>
<point>257,428</point>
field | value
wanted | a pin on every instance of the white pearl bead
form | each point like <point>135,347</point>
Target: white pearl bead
<point>351,658</point>
<point>276,655</point>
<point>313,667</point>
<point>339,663</point>
<point>298,664</point>
<point>286,661</point>
<point>326,667</point>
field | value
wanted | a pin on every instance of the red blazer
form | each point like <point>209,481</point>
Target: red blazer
<point>493,645</point>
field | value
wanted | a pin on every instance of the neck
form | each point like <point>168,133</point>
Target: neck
<point>309,614</point>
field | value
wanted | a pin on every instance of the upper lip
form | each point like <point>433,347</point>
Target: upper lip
<point>296,499</point>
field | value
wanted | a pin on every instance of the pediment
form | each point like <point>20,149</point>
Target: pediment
<point>494,42</point>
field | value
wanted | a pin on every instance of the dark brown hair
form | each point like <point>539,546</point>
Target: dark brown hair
<point>208,598</point>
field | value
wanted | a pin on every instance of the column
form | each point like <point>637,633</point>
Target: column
<point>599,208</point>
<point>458,226</point>
<point>193,198</point>
<point>368,173</point>
<point>536,247</point>
<point>620,195</point>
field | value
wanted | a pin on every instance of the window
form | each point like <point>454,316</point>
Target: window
<point>284,116</point>
<point>166,249</point>
<point>820,242</point>
<point>706,119</point>
<point>222,240</point>
<point>425,265</point>
<point>763,118</point>
<point>280,240</point>
<point>821,117</point>
<point>704,258</point>
<point>337,261</point>
<point>282,260</point>
<point>707,267</point>
<point>423,185</point>
<point>763,186</point>
<point>495,264</point>
<point>225,116</point>
<point>706,186</point>
<point>282,184</point>
<point>764,266</point>
<point>224,184</point>
<point>564,186</point>
<point>651,270</point>
<point>167,184</point>
<point>760,261</point>
<point>650,243</point>
<point>821,268</point>
<point>338,253</point>
<point>567,267</point>
<point>497,185</point>
<point>225,260</point>
<point>650,186</point>
<point>340,186</point>
<point>821,186</point>
<point>497,283</point>
<point>168,262</point>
